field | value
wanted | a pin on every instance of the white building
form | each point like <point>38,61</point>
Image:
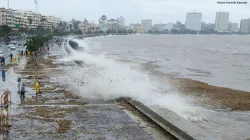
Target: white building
<point>232,27</point>
<point>121,21</point>
<point>147,24</point>
<point>245,26</point>
<point>169,26</point>
<point>7,17</point>
<point>20,18</point>
<point>3,16</point>
<point>193,21</point>
<point>54,20</point>
<point>221,21</point>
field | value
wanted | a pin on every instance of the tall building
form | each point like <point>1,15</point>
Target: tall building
<point>221,21</point>
<point>193,21</point>
<point>245,26</point>
<point>121,21</point>
<point>232,27</point>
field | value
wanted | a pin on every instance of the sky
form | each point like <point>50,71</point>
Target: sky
<point>160,11</point>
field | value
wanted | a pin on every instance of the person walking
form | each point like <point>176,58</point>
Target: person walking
<point>26,52</point>
<point>37,87</point>
<point>14,61</point>
<point>19,56</point>
<point>3,75</point>
<point>11,55</point>
<point>3,61</point>
<point>22,95</point>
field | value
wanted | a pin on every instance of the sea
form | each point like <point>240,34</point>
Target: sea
<point>124,66</point>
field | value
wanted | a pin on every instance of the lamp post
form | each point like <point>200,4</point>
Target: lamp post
<point>36,18</point>
<point>8,2</point>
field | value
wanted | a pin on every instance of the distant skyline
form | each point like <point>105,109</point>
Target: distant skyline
<point>160,11</point>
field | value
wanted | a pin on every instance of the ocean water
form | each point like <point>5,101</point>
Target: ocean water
<point>118,66</point>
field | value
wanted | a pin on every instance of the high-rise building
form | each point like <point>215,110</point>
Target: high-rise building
<point>193,21</point>
<point>221,21</point>
<point>232,27</point>
<point>121,21</point>
<point>245,26</point>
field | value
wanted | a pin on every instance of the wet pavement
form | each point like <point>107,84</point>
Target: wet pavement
<point>61,114</point>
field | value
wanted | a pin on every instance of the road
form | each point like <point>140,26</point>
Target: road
<point>7,52</point>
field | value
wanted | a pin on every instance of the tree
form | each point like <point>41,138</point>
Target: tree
<point>76,25</point>
<point>2,33</point>
<point>6,29</point>
<point>34,43</point>
<point>130,31</point>
<point>70,27</point>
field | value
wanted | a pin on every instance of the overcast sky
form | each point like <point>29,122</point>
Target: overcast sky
<point>160,11</point>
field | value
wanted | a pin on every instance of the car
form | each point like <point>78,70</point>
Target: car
<point>12,47</point>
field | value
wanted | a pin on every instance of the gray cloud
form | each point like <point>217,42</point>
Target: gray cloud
<point>161,11</point>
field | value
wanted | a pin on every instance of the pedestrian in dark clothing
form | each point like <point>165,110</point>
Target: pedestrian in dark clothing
<point>22,52</point>
<point>22,91</point>
<point>3,61</point>
<point>26,52</point>
<point>11,55</point>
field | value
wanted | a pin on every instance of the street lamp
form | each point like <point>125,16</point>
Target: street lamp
<point>36,18</point>
<point>8,2</point>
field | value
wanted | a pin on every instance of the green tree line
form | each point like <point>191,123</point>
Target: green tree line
<point>36,42</point>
